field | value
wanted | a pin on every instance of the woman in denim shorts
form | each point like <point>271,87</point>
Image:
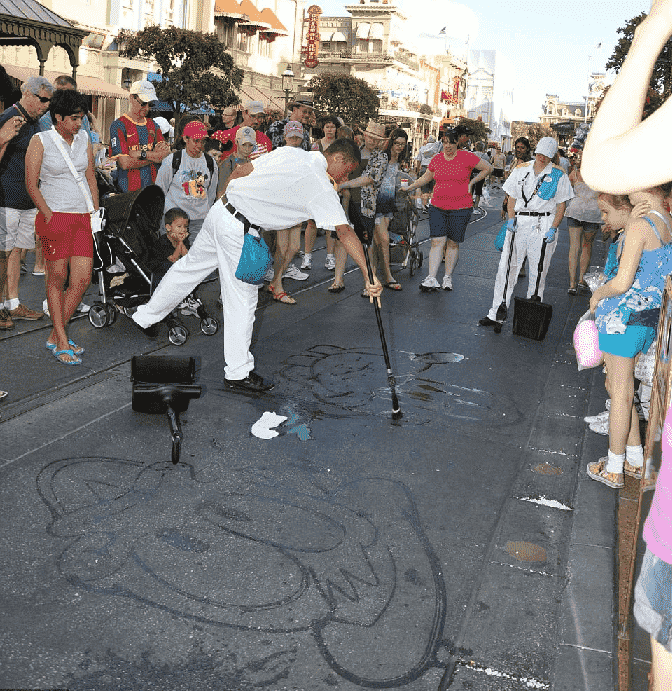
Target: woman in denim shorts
<point>451,205</point>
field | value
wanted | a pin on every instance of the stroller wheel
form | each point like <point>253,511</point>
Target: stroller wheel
<point>412,261</point>
<point>178,334</point>
<point>99,315</point>
<point>209,326</point>
<point>420,258</point>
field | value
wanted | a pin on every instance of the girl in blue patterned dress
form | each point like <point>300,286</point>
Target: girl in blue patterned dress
<point>626,314</point>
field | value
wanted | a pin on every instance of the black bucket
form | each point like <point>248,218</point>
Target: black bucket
<point>531,318</point>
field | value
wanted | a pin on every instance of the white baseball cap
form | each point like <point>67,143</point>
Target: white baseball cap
<point>246,135</point>
<point>547,146</point>
<point>144,90</point>
<point>254,107</point>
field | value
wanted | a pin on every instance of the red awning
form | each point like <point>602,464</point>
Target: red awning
<point>277,27</point>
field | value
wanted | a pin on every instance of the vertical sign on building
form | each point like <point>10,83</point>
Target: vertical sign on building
<point>312,37</point>
<point>456,90</point>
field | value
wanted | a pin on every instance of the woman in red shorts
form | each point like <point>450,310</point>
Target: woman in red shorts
<point>63,222</point>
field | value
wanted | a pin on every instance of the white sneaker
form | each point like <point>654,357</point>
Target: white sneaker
<point>294,273</point>
<point>592,419</point>
<point>447,283</point>
<point>83,308</point>
<point>600,427</point>
<point>330,262</point>
<point>270,275</point>
<point>189,306</point>
<point>430,283</point>
<point>307,263</point>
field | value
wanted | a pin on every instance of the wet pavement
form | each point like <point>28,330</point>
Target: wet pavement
<point>461,547</point>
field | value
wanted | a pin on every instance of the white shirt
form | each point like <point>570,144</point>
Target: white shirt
<point>57,183</point>
<point>523,181</point>
<point>427,153</point>
<point>286,187</point>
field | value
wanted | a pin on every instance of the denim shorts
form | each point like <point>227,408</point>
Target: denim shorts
<point>636,339</point>
<point>653,599</point>
<point>587,226</point>
<point>381,216</point>
<point>450,223</point>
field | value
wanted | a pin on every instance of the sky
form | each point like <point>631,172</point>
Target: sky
<point>551,46</point>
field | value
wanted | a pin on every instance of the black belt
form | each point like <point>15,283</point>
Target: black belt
<point>533,213</point>
<point>237,215</point>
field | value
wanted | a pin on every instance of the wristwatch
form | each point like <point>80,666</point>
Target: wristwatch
<point>143,155</point>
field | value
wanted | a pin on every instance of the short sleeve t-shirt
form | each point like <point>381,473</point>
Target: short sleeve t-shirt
<point>126,136</point>
<point>13,192</point>
<point>451,190</point>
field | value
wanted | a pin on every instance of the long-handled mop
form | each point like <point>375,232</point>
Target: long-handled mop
<point>396,409</point>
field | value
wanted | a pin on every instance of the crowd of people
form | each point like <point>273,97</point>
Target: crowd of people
<point>256,172</point>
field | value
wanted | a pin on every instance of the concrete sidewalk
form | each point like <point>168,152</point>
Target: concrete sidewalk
<point>460,548</point>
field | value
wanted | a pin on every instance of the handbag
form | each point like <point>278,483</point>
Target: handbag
<point>587,342</point>
<point>501,237</point>
<point>255,259</point>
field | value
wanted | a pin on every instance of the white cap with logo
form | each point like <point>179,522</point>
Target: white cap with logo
<point>547,146</point>
<point>144,90</point>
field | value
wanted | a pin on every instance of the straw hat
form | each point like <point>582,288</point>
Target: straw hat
<point>375,129</point>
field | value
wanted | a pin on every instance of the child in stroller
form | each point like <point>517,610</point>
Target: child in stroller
<point>131,240</point>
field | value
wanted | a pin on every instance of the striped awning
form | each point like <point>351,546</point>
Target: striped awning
<point>377,31</point>
<point>252,93</point>
<point>87,85</point>
<point>228,8</point>
<point>253,15</point>
<point>339,37</point>
<point>277,27</point>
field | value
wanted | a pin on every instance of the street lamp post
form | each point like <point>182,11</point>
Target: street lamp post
<point>287,85</point>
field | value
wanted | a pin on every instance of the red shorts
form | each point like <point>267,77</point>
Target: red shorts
<point>66,235</point>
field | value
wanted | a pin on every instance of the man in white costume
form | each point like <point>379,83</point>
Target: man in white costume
<point>283,189</point>
<point>538,192</point>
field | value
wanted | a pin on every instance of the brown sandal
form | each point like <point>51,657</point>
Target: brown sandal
<point>596,471</point>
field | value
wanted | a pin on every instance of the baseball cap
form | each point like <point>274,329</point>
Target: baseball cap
<point>144,90</point>
<point>293,129</point>
<point>254,107</point>
<point>547,146</point>
<point>195,130</point>
<point>246,135</point>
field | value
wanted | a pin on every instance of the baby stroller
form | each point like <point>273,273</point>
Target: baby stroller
<point>403,230</point>
<point>123,256</point>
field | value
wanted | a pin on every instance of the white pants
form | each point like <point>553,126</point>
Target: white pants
<point>528,240</point>
<point>218,245</point>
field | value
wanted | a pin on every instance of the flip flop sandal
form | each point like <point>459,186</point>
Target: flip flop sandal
<point>284,298</point>
<point>336,289</point>
<point>77,350</point>
<point>57,354</point>
<point>393,285</point>
<point>596,471</point>
<point>365,293</point>
<point>571,291</point>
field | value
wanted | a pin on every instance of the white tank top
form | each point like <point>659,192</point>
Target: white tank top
<point>57,184</point>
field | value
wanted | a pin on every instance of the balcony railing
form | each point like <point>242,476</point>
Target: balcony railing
<point>351,55</point>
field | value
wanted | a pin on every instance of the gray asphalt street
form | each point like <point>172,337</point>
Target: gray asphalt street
<point>461,547</point>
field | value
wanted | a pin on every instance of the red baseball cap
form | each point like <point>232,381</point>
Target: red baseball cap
<point>195,130</point>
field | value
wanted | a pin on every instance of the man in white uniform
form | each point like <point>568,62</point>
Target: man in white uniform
<point>538,192</point>
<point>286,187</point>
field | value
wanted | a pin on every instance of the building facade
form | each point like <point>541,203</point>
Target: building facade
<point>490,94</point>
<point>556,111</point>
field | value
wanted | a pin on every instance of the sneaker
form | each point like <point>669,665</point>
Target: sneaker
<point>23,312</point>
<point>45,308</point>
<point>6,322</point>
<point>592,419</point>
<point>295,274</point>
<point>330,262</point>
<point>83,308</point>
<point>307,263</point>
<point>486,321</point>
<point>600,427</point>
<point>252,383</point>
<point>269,276</point>
<point>447,283</point>
<point>189,306</point>
<point>429,284</point>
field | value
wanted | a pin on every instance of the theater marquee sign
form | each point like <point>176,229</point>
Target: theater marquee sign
<point>312,47</point>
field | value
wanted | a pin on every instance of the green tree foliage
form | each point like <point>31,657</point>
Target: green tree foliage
<point>478,127</point>
<point>348,97</point>
<point>661,79</point>
<point>534,131</point>
<point>195,67</point>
